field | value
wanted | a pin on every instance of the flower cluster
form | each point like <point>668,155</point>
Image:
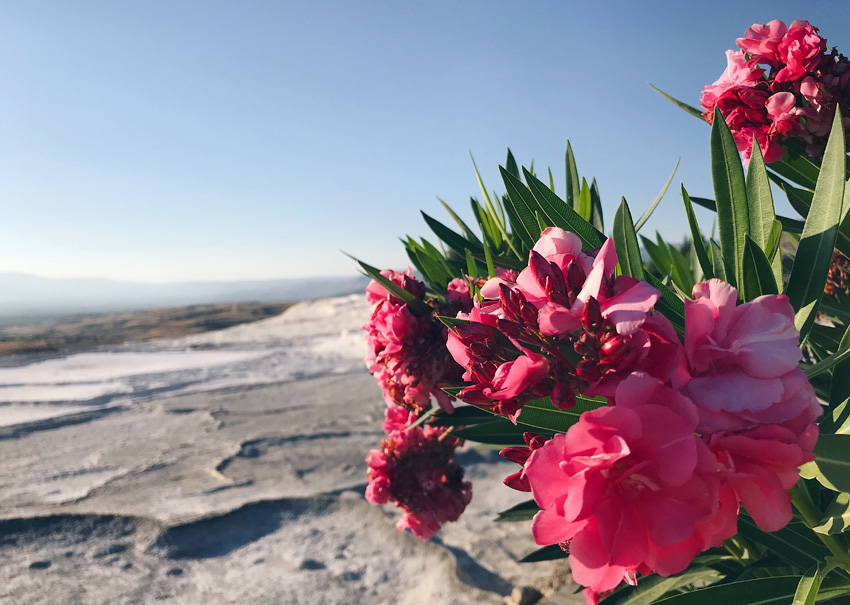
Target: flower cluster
<point>415,468</point>
<point>406,351</point>
<point>690,431</point>
<point>781,85</point>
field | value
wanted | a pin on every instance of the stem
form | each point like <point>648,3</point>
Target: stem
<point>802,501</point>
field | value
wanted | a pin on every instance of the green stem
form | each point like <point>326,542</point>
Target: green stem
<point>811,516</point>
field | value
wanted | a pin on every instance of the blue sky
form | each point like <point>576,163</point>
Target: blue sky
<point>166,141</point>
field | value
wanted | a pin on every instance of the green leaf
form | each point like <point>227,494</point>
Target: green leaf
<point>524,511</point>
<point>651,588</point>
<point>758,274</point>
<point>659,255</point>
<point>596,207</point>
<point>541,414</point>
<point>451,322</point>
<point>418,307</point>
<point>836,419</point>
<point>452,239</point>
<point>801,170</point>
<point>524,204</point>
<point>465,415</point>
<point>836,517</point>
<point>626,243</point>
<point>681,271</point>
<point>584,201</point>
<point>547,553</point>
<point>670,305</point>
<point>493,433</point>
<point>511,165</point>
<point>730,194</point>
<point>839,388</point>
<point>762,215</point>
<point>717,265</point>
<point>832,466</point>
<point>794,543</point>
<point>814,254</point>
<point>467,232</point>
<point>518,228</point>
<point>573,187</point>
<point>777,590</point>
<point>562,215</point>
<point>471,266</point>
<point>827,364</point>
<point>488,259</point>
<point>808,587</point>
<point>696,237</point>
<point>645,216</point>
<point>681,105</point>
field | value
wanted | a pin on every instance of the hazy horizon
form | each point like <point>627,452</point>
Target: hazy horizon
<point>165,142</point>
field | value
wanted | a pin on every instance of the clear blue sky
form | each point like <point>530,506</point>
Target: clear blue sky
<point>168,140</point>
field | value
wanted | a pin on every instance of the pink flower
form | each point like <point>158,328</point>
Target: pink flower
<point>629,487</point>
<point>781,108</point>
<point>801,50</point>
<point>458,293</point>
<point>761,42</point>
<point>738,74</point>
<point>416,470</point>
<point>750,349</point>
<point>763,464</point>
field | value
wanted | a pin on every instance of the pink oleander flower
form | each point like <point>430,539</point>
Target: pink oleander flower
<point>416,470</point>
<point>630,488</point>
<point>458,293</point>
<point>406,352</point>
<point>761,42</point>
<point>520,455</point>
<point>744,360</point>
<point>801,50</point>
<point>737,76</point>
<point>762,465</point>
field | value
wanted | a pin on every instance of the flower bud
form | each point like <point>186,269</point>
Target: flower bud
<point>563,397</point>
<point>591,315</point>
<point>575,277</point>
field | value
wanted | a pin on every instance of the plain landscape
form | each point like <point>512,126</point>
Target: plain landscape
<point>228,467</point>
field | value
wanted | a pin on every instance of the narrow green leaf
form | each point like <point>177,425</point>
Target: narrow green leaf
<point>705,203</point>
<point>651,588</point>
<point>801,170</point>
<point>417,306</point>
<point>778,590</point>
<point>525,239</point>
<point>659,256</point>
<point>761,211</point>
<point>524,511</point>
<point>471,266</point>
<point>541,414</point>
<point>670,305</point>
<point>836,517</point>
<point>511,165</point>
<point>832,466</point>
<point>827,364</point>
<point>467,232</point>
<point>794,543</point>
<point>730,195</point>
<point>452,239</point>
<point>503,434</point>
<point>573,187</point>
<point>800,199</point>
<point>681,105</point>
<point>451,322</point>
<point>488,259</point>
<point>435,274</point>
<point>681,271</point>
<point>808,587</point>
<point>758,274</point>
<point>717,265</point>
<point>596,207</point>
<point>645,216</point>
<point>491,210</point>
<point>626,243</point>
<point>562,215</point>
<point>814,254</point>
<point>547,553</point>
<point>524,204</point>
<point>696,237</point>
<point>551,181</point>
<point>584,202</point>
<point>839,388</point>
<point>465,415</point>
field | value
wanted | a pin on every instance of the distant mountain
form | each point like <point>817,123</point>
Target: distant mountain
<point>26,298</point>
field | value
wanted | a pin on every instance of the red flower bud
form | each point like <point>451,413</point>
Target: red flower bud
<point>591,315</point>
